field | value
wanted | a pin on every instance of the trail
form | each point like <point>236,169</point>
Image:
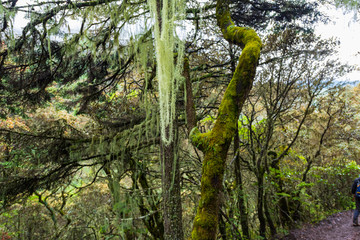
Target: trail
<point>336,227</point>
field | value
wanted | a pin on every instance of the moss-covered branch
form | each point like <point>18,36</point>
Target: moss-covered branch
<point>215,144</point>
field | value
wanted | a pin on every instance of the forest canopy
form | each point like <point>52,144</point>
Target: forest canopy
<point>128,119</point>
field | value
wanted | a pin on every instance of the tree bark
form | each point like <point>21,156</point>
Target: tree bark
<point>239,185</point>
<point>190,107</point>
<point>215,144</point>
<point>269,218</point>
<point>153,222</point>
<point>172,209</point>
<point>260,205</point>
<point>283,202</point>
<point>222,227</point>
<point>170,168</point>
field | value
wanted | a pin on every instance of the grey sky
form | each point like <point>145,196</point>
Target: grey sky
<point>342,25</point>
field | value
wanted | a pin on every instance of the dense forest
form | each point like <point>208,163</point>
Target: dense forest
<point>172,119</point>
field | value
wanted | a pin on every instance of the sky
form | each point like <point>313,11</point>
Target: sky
<point>346,28</point>
<point>342,25</point>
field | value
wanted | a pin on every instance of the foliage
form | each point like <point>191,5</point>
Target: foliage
<point>350,4</point>
<point>80,133</point>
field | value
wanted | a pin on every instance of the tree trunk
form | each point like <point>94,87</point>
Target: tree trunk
<point>222,227</point>
<point>172,210</point>
<point>260,205</point>
<point>269,218</point>
<point>153,223</point>
<point>239,185</point>
<point>190,107</point>
<point>283,203</point>
<point>215,144</point>
<point>170,168</point>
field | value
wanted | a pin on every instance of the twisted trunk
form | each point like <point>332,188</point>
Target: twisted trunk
<point>215,144</point>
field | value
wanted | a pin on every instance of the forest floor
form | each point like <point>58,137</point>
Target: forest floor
<point>336,227</point>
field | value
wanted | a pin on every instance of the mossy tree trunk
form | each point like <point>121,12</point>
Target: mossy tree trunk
<point>215,144</point>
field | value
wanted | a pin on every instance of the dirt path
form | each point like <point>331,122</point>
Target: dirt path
<point>336,227</point>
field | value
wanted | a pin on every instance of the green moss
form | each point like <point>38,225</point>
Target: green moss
<point>200,140</point>
<point>206,225</point>
<point>206,220</point>
<point>215,144</point>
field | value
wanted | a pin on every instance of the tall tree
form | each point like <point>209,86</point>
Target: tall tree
<point>93,72</point>
<point>215,144</point>
<point>166,13</point>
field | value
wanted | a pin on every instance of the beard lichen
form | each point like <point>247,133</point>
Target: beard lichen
<point>169,74</point>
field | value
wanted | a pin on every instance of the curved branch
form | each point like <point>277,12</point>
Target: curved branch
<point>216,143</point>
<point>51,13</point>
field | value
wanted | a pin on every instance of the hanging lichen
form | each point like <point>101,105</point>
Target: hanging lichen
<point>168,73</point>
